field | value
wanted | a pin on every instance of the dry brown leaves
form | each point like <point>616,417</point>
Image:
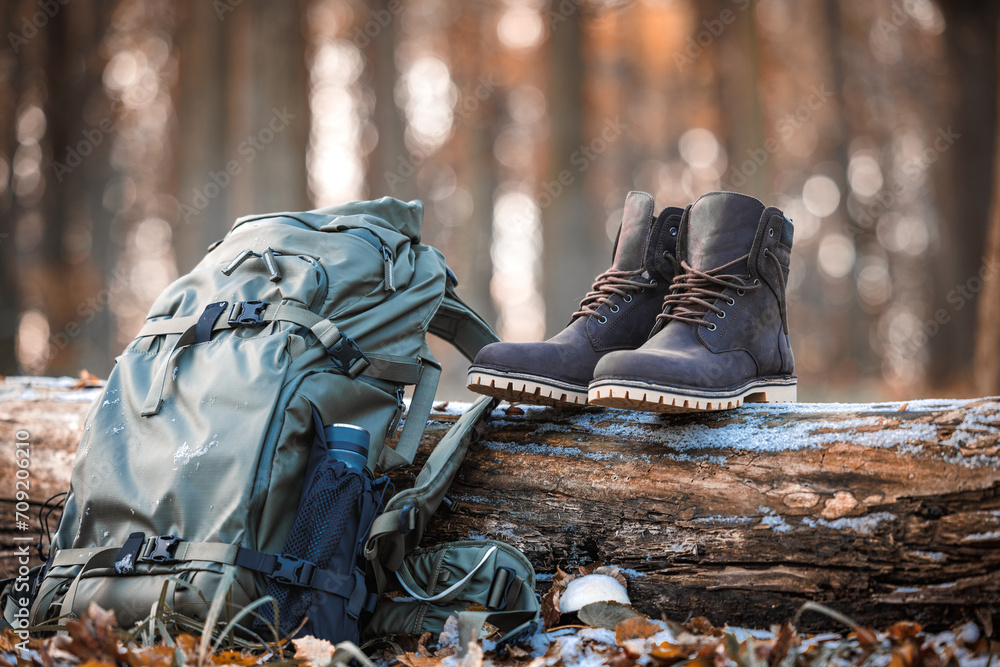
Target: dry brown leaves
<point>96,641</point>
<point>88,380</point>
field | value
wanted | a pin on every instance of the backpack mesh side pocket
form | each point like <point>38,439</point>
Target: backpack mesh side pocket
<point>335,513</point>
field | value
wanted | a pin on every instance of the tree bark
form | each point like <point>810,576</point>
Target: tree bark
<point>886,512</point>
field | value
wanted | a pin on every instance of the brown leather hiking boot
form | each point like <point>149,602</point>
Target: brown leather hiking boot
<point>722,338</point>
<point>617,314</point>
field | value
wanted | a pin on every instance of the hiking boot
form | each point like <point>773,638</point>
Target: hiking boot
<point>722,338</point>
<point>617,314</point>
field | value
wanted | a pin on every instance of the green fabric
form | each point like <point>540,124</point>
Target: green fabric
<point>206,437</point>
<point>445,580</point>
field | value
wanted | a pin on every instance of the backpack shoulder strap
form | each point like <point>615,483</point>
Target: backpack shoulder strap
<point>461,326</point>
<point>400,527</point>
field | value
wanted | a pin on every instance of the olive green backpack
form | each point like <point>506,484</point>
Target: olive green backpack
<point>193,460</point>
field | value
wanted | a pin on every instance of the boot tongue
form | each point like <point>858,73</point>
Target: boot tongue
<point>630,248</point>
<point>721,228</point>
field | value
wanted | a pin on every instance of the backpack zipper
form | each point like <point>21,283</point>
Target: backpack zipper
<point>390,282</point>
<point>398,416</point>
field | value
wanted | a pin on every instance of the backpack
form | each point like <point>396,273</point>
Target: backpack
<point>203,463</point>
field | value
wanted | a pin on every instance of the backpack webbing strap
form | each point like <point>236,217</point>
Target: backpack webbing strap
<point>325,331</point>
<point>394,368</point>
<point>461,326</point>
<point>384,367</point>
<point>351,588</point>
<point>416,417</point>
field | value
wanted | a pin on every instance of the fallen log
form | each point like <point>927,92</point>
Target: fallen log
<point>883,511</point>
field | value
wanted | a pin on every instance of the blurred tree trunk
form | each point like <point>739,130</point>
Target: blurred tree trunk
<point>10,296</point>
<point>964,184</point>
<point>738,63</point>
<point>476,118</point>
<point>270,88</point>
<point>243,117</point>
<point>391,170</point>
<point>79,127</point>
<point>202,121</point>
<point>987,355</point>
<point>570,255</point>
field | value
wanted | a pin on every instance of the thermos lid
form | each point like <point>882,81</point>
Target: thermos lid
<point>348,437</point>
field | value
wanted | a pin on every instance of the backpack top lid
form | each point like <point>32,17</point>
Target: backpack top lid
<point>387,212</point>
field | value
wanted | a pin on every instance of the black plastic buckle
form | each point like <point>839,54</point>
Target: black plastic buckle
<point>247,313</point>
<point>348,356</point>
<point>162,548</point>
<point>407,518</point>
<point>293,571</point>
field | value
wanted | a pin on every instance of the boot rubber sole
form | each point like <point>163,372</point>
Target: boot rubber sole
<point>525,389</point>
<point>652,398</point>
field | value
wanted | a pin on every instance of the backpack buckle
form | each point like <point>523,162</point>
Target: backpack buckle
<point>348,356</point>
<point>247,313</point>
<point>162,548</point>
<point>407,519</point>
<point>293,571</point>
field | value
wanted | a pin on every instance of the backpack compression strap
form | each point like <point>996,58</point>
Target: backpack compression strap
<point>199,328</point>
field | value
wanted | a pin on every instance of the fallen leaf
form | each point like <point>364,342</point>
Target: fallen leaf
<point>417,660</point>
<point>637,627</point>
<point>515,652</point>
<point>784,639</point>
<point>702,626</point>
<point>235,658</point>
<point>550,601</point>
<point>315,651</point>
<point>902,408</point>
<point>903,656</point>
<point>440,407</point>
<point>668,653</point>
<point>513,410</point>
<point>904,629</point>
<point>865,636</point>
<point>422,645</point>
<point>87,380</point>
<point>605,614</point>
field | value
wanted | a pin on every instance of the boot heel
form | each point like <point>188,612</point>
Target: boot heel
<point>786,393</point>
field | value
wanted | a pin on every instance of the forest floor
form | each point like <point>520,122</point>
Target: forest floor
<point>598,634</point>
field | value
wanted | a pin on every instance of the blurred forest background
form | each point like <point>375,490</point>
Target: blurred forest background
<point>133,133</point>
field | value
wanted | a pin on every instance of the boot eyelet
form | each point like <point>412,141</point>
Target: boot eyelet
<point>627,298</point>
<point>732,301</point>
<point>756,281</point>
<point>722,314</point>
<point>770,232</point>
<point>712,327</point>
<point>614,308</point>
<point>602,319</point>
<point>673,231</point>
<point>666,254</point>
<point>740,292</point>
<point>641,290</point>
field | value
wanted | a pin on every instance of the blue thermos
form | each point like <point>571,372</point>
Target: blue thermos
<point>348,443</point>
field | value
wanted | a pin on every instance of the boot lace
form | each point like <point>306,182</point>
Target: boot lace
<point>694,293</point>
<point>609,283</point>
